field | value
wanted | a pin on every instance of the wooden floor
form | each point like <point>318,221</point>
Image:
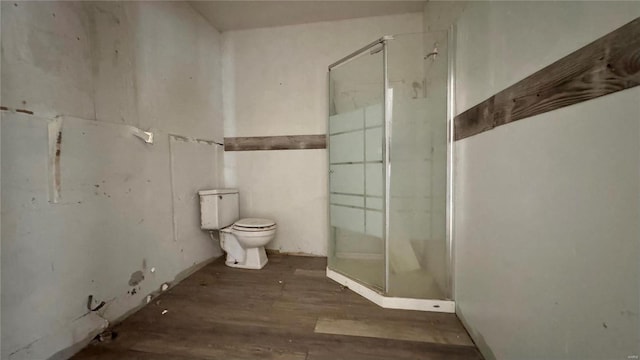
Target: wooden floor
<point>288,310</point>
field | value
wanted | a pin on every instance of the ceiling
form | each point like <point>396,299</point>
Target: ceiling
<point>237,15</point>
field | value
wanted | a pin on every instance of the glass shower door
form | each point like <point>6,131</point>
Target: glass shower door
<point>356,138</point>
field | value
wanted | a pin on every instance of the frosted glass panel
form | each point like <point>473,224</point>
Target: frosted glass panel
<point>347,218</point>
<point>374,115</point>
<point>375,179</point>
<point>347,147</point>
<point>375,143</point>
<point>374,223</point>
<point>347,178</point>
<point>347,121</point>
<point>375,203</point>
<point>347,200</point>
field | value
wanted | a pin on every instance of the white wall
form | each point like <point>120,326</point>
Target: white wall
<point>124,206</point>
<point>547,208</point>
<point>276,84</point>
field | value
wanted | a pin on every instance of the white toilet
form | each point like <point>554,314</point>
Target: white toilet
<point>243,240</point>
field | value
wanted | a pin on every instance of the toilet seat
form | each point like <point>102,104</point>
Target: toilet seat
<point>254,225</point>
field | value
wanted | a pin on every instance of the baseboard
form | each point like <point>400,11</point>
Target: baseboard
<point>278,252</point>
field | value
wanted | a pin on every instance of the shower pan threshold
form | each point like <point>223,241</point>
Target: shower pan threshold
<point>388,302</point>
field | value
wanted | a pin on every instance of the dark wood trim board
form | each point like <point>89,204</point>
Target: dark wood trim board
<point>605,66</point>
<point>289,142</point>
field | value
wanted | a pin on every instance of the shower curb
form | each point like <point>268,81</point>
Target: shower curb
<point>445,306</point>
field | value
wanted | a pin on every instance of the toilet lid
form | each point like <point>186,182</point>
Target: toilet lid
<point>253,223</point>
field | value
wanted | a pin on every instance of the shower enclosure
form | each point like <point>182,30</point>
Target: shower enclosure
<point>389,146</point>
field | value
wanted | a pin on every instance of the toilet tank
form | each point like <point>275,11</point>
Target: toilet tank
<point>218,208</point>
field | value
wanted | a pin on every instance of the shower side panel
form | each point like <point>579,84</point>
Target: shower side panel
<point>417,78</point>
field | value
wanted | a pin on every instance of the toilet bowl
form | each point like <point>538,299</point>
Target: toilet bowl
<point>244,242</point>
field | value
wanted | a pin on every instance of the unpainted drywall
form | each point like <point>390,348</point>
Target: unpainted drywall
<point>546,209</point>
<point>89,207</point>
<point>276,84</point>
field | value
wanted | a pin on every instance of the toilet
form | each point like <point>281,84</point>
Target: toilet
<point>242,239</point>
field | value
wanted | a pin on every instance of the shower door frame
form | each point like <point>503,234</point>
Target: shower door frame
<point>385,150</point>
<point>371,294</point>
<point>451,114</point>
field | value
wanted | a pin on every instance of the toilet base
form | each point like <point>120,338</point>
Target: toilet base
<point>255,258</point>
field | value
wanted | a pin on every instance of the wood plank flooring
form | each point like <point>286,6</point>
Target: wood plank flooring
<point>224,313</point>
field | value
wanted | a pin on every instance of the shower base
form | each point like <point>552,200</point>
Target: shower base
<point>390,302</point>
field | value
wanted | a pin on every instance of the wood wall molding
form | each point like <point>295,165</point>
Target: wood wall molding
<point>288,142</point>
<point>605,66</point>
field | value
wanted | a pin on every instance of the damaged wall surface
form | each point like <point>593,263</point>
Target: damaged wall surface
<point>89,208</point>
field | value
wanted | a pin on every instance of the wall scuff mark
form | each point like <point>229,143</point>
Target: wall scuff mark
<point>90,304</point>
<point>136,278</point>
<point>55,148</point>
<point>195,140</point>
<point>24,111</point>
<point>146,136</point>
